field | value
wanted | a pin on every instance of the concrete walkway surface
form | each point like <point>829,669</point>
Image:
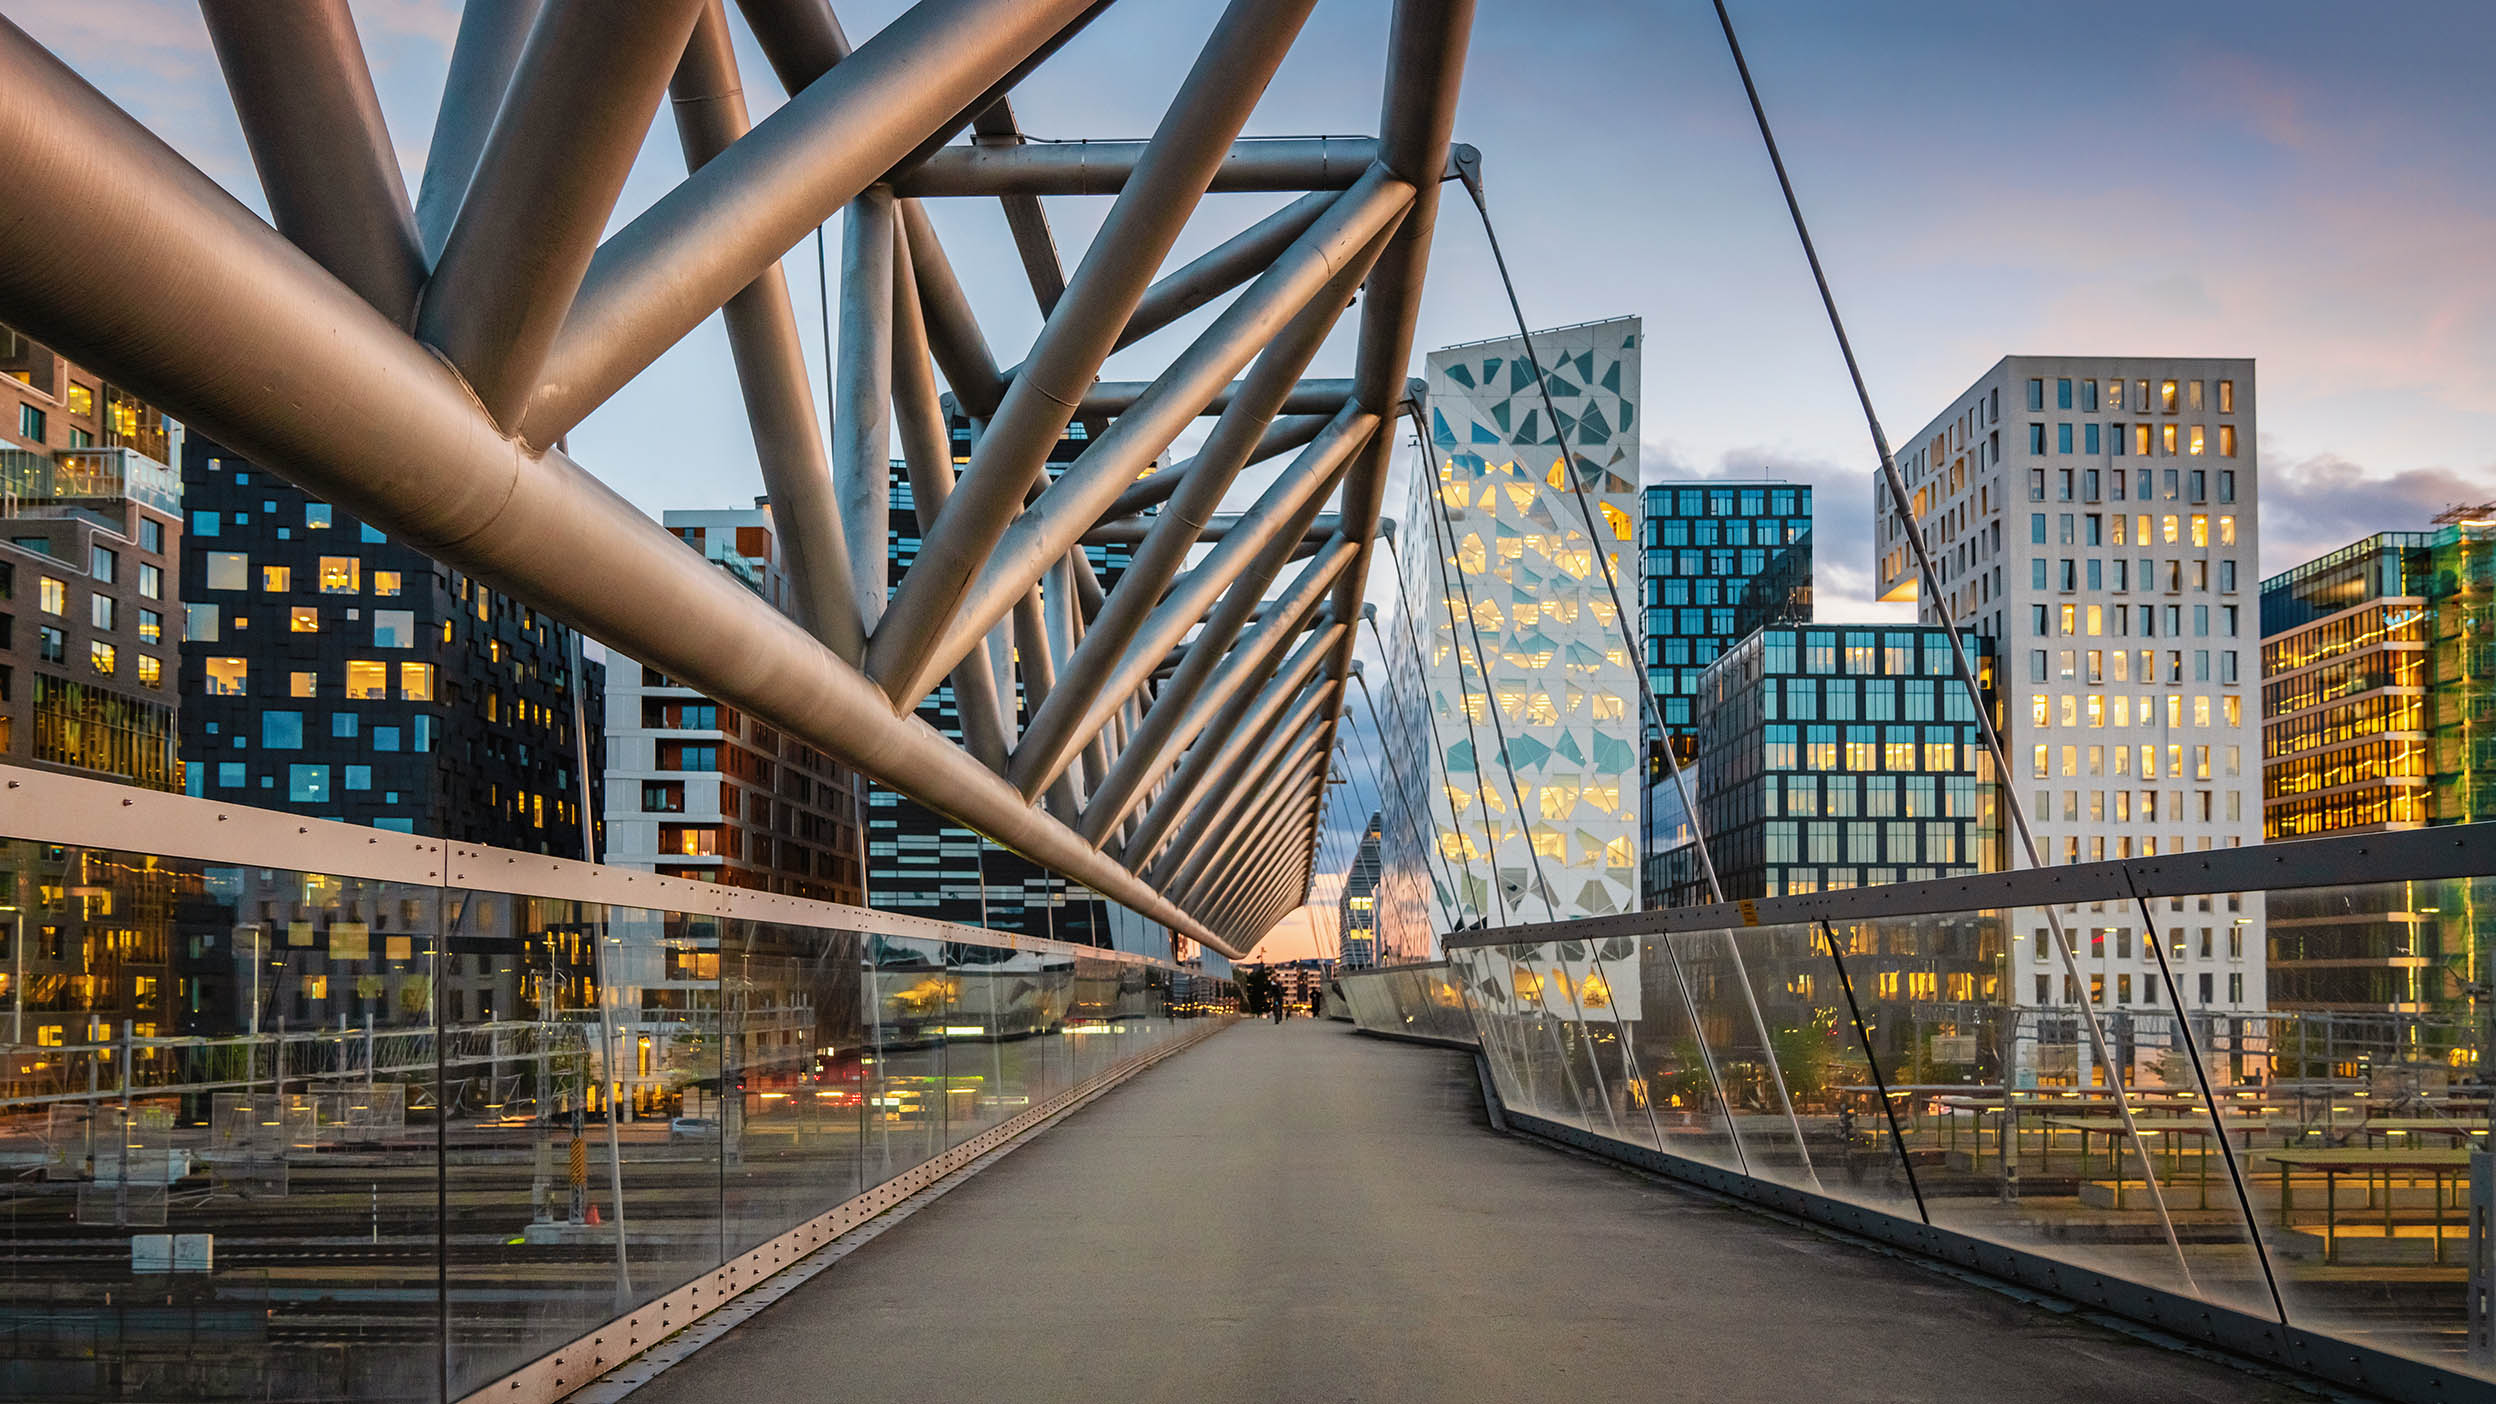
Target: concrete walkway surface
<point>1298,1213</point>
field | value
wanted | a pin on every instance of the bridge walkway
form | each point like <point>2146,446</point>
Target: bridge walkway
<point>1300,1213</point>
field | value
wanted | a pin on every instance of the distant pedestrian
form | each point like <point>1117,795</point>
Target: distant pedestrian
<point>1280,1009</point>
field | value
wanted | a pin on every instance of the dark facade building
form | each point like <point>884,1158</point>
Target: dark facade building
<point>1718,563</point>
<point>90,537</point>
<point>1834,757</point>
<point>696,789</point>
<point>339,674</point>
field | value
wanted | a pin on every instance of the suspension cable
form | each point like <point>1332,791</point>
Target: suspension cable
<point>1429,714</point>
<point>1930,576</point>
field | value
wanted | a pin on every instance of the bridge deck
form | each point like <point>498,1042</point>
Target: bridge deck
<point>1299,1213</point>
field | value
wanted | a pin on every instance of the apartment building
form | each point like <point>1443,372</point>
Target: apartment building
<point>90,538</point>
<point>2095,518</point>
<point>697,789</point>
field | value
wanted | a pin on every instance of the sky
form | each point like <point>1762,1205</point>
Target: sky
<point>2306,184</point>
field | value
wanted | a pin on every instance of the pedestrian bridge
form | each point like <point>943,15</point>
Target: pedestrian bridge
<point>440,1122</point>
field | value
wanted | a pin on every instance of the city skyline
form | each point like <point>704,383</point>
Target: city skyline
<point>1950,244</point>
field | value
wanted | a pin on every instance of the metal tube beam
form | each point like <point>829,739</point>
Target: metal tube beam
<point>1270,865</point>
<point>1207,683</point>
<point>1116,397</point>
<point>927,460</point>
<point>681,259</point>
<point>1140,604</point>
<point>1426,43</point>
<point>580,102</point>
<point>1025,218</point>
<point>1281,436</point>
<point>482,58</point>
<point>1248,42</point>
<point>1123,658</point>
<point>305,96</point>
<point>1280,801</point>
<point>1234,893</point>
<point>146,271</point>
<point>803,41</point>
<point>709,104</point>
<point>862,414</point>
<point>1248,812</point>
<point>1221,268</point>
<point>1197,794</point>
<point>1016,550</point>
<point>1106,167</point>
<point>1242,795</point>
<point>1129,530</point>
<point>1241,729</point>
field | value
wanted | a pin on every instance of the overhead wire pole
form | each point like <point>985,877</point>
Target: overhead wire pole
<point>1930,575</point>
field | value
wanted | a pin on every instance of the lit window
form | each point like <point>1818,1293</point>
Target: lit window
<point>368,681</point>
<point>316,515</point>
<point>415,681</point>
<point>81,400</point>
<point>303,684</point>
<point>2166,439</point>
<point>2197,441</point>
<point>276,580</point>
<point>103,656</point>
<point>2166,396</point>
<point>53,596</point>
<point>304,619</point>
<point>151,671</point>
<point>385,582</point>
<point>229,570</point>
<point>2227,439</point>
<point>151,627</point>
<point>341,575</point>
<point>2227,397</point>
<point>228,677</point>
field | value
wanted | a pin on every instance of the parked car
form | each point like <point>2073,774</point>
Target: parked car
<point>693,1128</point>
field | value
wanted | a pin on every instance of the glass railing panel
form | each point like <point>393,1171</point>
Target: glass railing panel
<point>1674,1087</point>
<point>1092,1020</point>
<point>911,1104</point>
<point>2359,1168</point>
<point>1482,974</point>
<point>574,1198</point>
<point>1722,974</point>
<point>788,1107</point>
<point>218,1111</point>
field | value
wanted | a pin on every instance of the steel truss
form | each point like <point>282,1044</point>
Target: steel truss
<point>419,361</point>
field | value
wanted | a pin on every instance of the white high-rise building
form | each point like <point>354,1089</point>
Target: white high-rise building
<point>2096,516</point>
<point>1495,548</point>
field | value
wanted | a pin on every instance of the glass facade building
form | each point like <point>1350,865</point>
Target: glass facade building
<point>1839,756</point>
<point>340,674</point>
<point>2377,683</point>
<point>1359,924</point>
<point>1718,564</point>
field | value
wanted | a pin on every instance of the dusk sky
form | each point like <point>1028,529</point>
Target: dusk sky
<point>2305,184</point>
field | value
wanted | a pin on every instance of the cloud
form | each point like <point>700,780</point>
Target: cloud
<point>2321,503</point>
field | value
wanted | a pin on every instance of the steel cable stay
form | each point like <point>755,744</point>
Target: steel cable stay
<point>1637,663</point>
<point>1457,895</point>
<point>1473,738</point>
<point>1378,774</point>
<point>1930,576</point>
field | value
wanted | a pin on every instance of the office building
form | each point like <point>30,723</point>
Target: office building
<point>1358,919</point>
<point>340,674</point>
<point>90,534</point>
<point>2095,518</point>
<point>697,789</point>
<point>1496,550</point>
<point>1720,562</point>
<point>926,864</point>
<point>1839,756</point>
<point>2375,684</point>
